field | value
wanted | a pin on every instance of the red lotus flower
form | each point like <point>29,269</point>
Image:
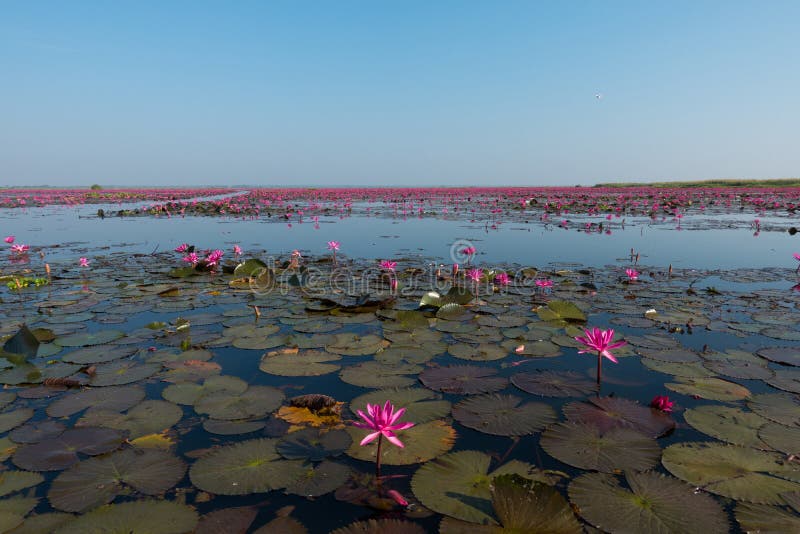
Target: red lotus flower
<point>662,402</point>
<point>383,420</point>
<point>600,341</point>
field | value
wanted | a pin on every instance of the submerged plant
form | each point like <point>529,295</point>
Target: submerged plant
<point>599,341</point>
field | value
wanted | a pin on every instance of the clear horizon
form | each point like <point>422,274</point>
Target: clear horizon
<point>397,94</point>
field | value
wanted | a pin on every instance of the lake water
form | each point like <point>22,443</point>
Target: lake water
<point>227,449</point>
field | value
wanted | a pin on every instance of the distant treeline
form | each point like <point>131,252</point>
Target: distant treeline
<point>782,182</point>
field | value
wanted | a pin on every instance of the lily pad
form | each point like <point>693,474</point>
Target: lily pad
<point>781,438</point>
<point>252,466</point>
<point>98,354</point>
<point>422,405</point>
<point>111,398</point>
<point>484,352</point>
<point>554,383</point>
<point>355,345</point>
<point>148,417</point>
<point>503,415</point>
<point>766,519</point>
<point>582,445</point>
<point>13,419</point>
<point>118,373</point>
<point>784,355</point>
<point>463,379</point>
<point>307,363</point>
<point>37,431</point>
<point>99,480</point>
<point>562,312</point>
<point>11,481</point>
<point>376,375</point>
<point>235,519</point>
<point>615,412</point>
<point>709,388</point>
<point>232,428</point>
<point>319,480</point>
<point>313,444</point>
<point>728,424</point>
<point>732,471</point>
<point>381,526</point>
<point>787,380</point>
<point>651,503</point>
<point>85,339</point>
<point>257,401</point>
<point>191,393</point>
<point>778,407</point>
<point>422,443</point>
<point>458,485</point>
<point>61,452</point>
<point>135,517</point>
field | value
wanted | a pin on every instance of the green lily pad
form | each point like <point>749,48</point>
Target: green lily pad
<point>235,519</point>
<point>98,354</point>
<point>135,517</point>
<point>39,523</point>
<point>11,481</point>
<point>781,438</point>
<point>355,345</point>
<point>252,466</point>
<point>732,471</point>
<point>521,505</point>
<point>740,369</point>
<point>318,480</point>
<point>307,363</point>
<point>503,415</point>
<point>61,452</point>
<point>99,480</point>
<point>24,343</point>
<point>410,353</point>
<point>257,401</point>
<point>422,443</point>
<point>766,519</point>
<point>13,419</point>
<point>728,424</point>
<point>232,428</point>
<point>482,353</point>
<point>615,412</point>
<point>21,373</point>
<point>373,374</point>
<point>651,503</point>
<point>784,355</point>
<point>562,312</point>
<point>554,383</point>
<point>463,379</point>
<point>458,485</point>
<point>85,339</point>
<point>13,511</point>
<point>676,355</point>
<point>709,388</point>
<point>110,398</point>
<point>123,372</point>
<point>190,393</point>
<point>37,431</point>
<point>147,417</point>
<point>778,407</point>
<point>422,405</point>
<point>313,444</point>
<point>686,370</point>
<point>379,526</point>
<point>787,380</point>
<point>582,445</point>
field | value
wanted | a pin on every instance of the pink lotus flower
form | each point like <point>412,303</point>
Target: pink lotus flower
<point>474,274</point>
<point>84,262</point>
<point>469,251</point>
<point>544,283</point>
<point>9,239</point>
<point>191,258</point>
<point>502,279</point>
<point>183,247</point>
<point>662,402</point>
<point>388,265</point>
<point>383,421</point>
<point>600,341</point>
<point>633,274</point>
<point>237,250</point>
<point>455,269</point>
<point>212,259</point>
<point>796,255</point>
<point>20,249</point>
<point>333,245</point>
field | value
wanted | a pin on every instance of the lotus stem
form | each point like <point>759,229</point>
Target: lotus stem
<point>599,367</point>
<point>378,461</point>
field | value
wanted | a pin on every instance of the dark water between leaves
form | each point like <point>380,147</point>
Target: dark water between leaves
<point>198,386</point>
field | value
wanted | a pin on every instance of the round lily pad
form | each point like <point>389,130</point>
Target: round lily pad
<point>257,401</point>
<point>709,388</point>
<point>728,424</point>
<point>61,452</point>
<point>651,503</point>
<point>583,445</point>
<point>319,480</point>
<point>554,383</point>
<point>232,428</point>
<point>422,443</point>
<point>307,363</point>
<point>13,419</point>
<point>147,417</point>
<point>732,471</point>
<point>135,517</point>
<point>122,372</point>
<point>787,380</point>
<point>111,398</point>
<point>36,431</point>
<point>188,393</point>
<point>687,370</point>
<point>422,405</point>
<point>740,369</point>
<point>313,444</point>
<point>85,339</point>
<point>677,355</point>
<point>766,519</point>
<point>503,415</point>
<point>98,354</point>
<point>463,379</point>
<point>781,438</point>
<point>252,466</point>
<point>458,485</point>
<point>616,412</point>
<point>778,407</point>
<point>380,526</point>
<point>236,519</point>
<point>11,481</point>
<point>355,345</point>
<point>784,355</point>
<point>99,480</point>
<point>484,352</point>
<point>377,375</point>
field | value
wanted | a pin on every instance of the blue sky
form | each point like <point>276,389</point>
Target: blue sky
<point>397,92</point>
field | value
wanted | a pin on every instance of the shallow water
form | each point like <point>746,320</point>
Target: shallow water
<point>730,290</point>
